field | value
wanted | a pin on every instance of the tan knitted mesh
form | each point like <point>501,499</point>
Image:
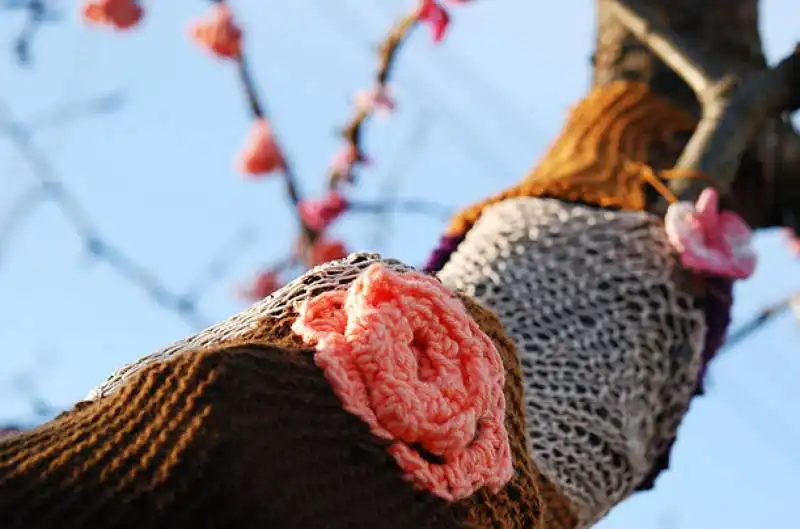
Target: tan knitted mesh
<point>610,346</point>
<point>331,275</point>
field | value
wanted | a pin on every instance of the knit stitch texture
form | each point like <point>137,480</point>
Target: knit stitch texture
<point>248,432</point>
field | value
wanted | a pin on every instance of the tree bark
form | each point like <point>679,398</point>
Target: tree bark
<point>728,28</point>
<point>766,191</point>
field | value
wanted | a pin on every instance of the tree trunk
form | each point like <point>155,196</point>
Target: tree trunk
<point>726,28</point>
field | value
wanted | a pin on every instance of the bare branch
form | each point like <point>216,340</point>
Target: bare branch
<point>406,206</point>
<point>700,72</point>
<point>733,119</point>
<point>763,317</point>
<point>54,190</point>
<point>734,111</point>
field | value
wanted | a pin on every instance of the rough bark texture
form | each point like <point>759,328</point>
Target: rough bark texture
<point>765,192</point>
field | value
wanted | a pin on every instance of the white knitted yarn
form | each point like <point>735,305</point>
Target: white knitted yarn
<point>610,346</point>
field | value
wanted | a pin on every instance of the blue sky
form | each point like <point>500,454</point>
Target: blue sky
<point>157,179</point>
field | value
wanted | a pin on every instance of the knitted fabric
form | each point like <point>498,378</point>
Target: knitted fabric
<point>247,431</point>
<point>610,342</point>
<point>599,159</point>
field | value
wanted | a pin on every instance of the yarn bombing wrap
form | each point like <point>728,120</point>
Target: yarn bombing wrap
<point>601,160</point>
<point>239,426</point>
<point>404,356</point>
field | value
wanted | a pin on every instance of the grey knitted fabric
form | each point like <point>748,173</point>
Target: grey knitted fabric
<point>610,347</point>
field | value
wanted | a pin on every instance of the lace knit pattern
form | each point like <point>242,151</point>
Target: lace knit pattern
<point>528,501</point>
<point>329,276</point>
<point>610,345</point>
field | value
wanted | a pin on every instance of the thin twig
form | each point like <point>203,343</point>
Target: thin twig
<point>763,317</point>
<point>388,52</point>
<point>94,243</point>
<point>404,205</point>
<point>18,212</point>
<point>259,111</point>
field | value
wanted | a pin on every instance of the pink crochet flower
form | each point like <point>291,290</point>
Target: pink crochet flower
<point>403,355</point>
<point>709,241</point>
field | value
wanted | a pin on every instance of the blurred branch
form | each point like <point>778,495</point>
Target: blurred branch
<point>17,213</point>
<point>763,317</point>
<point>39,12</point>
<point>387,58</point>
<point>404,205</point>
<point>400,166</point>
<point>388,52</point>
<point>244,239</point>
<point>91,107</point>
<point>52,189</point>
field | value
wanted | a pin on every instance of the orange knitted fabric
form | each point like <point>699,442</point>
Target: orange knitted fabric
<point>246,436</point>
<point>600,157</point>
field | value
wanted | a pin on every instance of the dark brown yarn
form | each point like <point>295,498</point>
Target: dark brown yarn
<point>242,436</point>
<point>530,498</point>
<point>246,435</point>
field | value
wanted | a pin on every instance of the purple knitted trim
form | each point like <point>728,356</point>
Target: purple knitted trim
<point>717,310</point>
<point>438,258</point>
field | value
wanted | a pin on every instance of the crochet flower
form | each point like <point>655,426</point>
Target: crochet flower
<point>261,155</point>
<point>319,213</point>
<point>121,14</point>
<point>433,14</point>
<point>710,241</point>
<point>402,354</point>
<point>219,33</point>
<point>376,99</point>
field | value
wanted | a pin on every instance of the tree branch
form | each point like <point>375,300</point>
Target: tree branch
<point>699,71</point>
<point>733,118</point>
<point>734,111</point>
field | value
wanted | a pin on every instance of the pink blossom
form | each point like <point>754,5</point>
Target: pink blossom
<point>318,213</point>
<point>376,99</point>
<point>346,159</point>
<point>264,284</point>
<point>261,154</point>
<point>433,14</point>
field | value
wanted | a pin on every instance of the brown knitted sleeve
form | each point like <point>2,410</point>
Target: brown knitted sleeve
<point>240,436</point>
